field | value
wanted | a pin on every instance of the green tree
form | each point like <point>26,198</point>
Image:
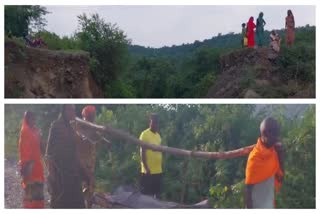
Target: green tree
<point>20,19</point>
<point>55,42</point>
<point>298,190</point>
<point>107,45</point>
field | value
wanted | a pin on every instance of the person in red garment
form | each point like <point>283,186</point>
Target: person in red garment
<point>250,32</point>
<point>290,25</point>
<point>30,163</point>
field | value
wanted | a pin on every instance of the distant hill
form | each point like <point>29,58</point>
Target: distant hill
<point>228,41</point>
<point>220,68</point>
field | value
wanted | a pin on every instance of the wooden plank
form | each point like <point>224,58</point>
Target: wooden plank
<point>89,129</point>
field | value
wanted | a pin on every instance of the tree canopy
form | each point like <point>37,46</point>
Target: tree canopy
<point>107,45</point>
<point>20,19</point>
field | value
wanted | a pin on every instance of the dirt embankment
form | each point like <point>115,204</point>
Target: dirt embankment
<point>42,73</point>
<point>254,73</point>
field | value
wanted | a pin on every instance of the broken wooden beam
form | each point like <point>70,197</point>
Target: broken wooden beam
<point>87,128</point>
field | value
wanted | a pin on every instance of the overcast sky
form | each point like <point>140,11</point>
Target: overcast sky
<point>158,26</point>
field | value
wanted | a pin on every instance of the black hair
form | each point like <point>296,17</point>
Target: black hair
<point>153,116</point>
<point>273,125</point>
<point>63,108</point>
<point>28,114</point>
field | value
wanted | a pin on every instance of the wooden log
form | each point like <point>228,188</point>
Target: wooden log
<point>86,128</point>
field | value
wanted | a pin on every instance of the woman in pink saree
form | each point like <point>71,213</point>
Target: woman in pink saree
<point>290,24</point>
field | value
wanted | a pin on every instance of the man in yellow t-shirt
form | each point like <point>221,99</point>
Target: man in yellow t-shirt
<point>151,161</point>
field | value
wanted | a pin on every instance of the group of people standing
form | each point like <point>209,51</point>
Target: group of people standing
<point>251,29</point>
<point>70,159</point>
<point>69,176</point>
<point>61,157</point>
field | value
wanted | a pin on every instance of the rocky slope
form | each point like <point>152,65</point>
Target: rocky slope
<point>254,73</point>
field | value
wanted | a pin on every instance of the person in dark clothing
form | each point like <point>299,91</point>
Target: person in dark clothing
<point>260,29</point>
<point>65,172</point>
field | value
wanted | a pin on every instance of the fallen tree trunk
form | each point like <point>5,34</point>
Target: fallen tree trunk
<point>87,129</point>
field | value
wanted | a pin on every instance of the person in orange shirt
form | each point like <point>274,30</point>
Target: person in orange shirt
<point>264,171</point>
<point>30,163</point>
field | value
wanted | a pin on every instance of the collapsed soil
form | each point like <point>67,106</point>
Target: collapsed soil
<point>42,73</point>
<point>254,73</point>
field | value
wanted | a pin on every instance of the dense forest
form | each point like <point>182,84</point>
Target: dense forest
<point>123,70</point>
<point>194,127</point>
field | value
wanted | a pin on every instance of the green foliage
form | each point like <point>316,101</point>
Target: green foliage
<point>120,89</point>
<point>299,185</point>
<point>227,41</point>
<point>200,88</point>
<point>19,52</point>
<point>18,40</point>
<point>20,19</point>
<point>107,45</point>
<point>227,196</point>
<point>158,77</point>
<point>194,67</point>
<point>206,60</point>
<point>184,71</point>
<point>148,76</point>
<point>195,127</point>
<point>298,63</point>
<point>154,74</point>
<point>207,128</point>
<point>54,42</point>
